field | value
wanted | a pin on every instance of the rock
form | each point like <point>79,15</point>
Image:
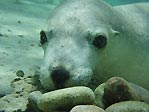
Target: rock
<point>19,22</point>
<point>20,73</point>
<point>142,93</point>
<point>20,35</point>
<point>128,106</point>
<point>13,103</point>
<point>117,90</point>
<point>18,99</point>
<point>99,92</point>
<point>23,85</point>
<point>32,45</point>
<point>32,100</point>
<point>86,108</point>
<point>9,30</point>
<point>65,99</point>
<point>1,35</point>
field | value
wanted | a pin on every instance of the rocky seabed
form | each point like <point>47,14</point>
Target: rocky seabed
<point>115,95</point>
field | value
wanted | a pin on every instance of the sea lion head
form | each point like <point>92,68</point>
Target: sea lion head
<point>71,54</point>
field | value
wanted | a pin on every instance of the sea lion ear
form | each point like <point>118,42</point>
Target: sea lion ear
<point>115,33</point>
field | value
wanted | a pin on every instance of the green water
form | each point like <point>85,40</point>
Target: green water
<point>121,2</point>
<point>112,2</point>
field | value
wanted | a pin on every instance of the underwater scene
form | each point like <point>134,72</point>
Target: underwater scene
<point>74,55</point>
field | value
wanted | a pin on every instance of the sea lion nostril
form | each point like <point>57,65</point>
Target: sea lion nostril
<point>59,76</point>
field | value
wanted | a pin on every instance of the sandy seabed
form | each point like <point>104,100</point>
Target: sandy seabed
<point>20,24</point>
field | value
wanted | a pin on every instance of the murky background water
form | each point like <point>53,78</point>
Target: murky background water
<point>112,2</point>
<point>121,2</point>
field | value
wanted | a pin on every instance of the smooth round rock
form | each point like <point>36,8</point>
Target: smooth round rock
<point>141,92</point>
<point>99,92</point>
<point>86,108</point>
<point>65,99</point>
<point>20,73</point>
<point>117,90</point>
<point>128,106</point>
<point>32,100</point>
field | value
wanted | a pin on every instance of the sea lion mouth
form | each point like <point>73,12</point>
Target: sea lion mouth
<point>82,77</point>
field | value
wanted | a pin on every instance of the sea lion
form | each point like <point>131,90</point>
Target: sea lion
<point>89,41</point>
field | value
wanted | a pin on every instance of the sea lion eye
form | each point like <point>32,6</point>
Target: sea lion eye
<point>100,41</point>
<point>43,38</point>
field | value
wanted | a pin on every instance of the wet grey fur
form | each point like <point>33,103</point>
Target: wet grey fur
<point>71,30</point>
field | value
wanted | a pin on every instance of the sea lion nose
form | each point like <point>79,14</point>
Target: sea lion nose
<point>59,76</point>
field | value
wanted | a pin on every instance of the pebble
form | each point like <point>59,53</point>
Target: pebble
<point>65,99</point>
<point>141,92</point>
<point>114,90</point>
<point>20,35</point>
<point>128,106</point>
<point>9,30</point>
<point>87,108</point>
<point>19,21</point>
<point>99,92</point>
<point>32,100</point>
<point>1,35</point>
<point>20,73</point>
<point>32,45</point>
<point>118,90</point>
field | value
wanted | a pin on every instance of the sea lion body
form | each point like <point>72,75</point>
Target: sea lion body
<point>88,41</point>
